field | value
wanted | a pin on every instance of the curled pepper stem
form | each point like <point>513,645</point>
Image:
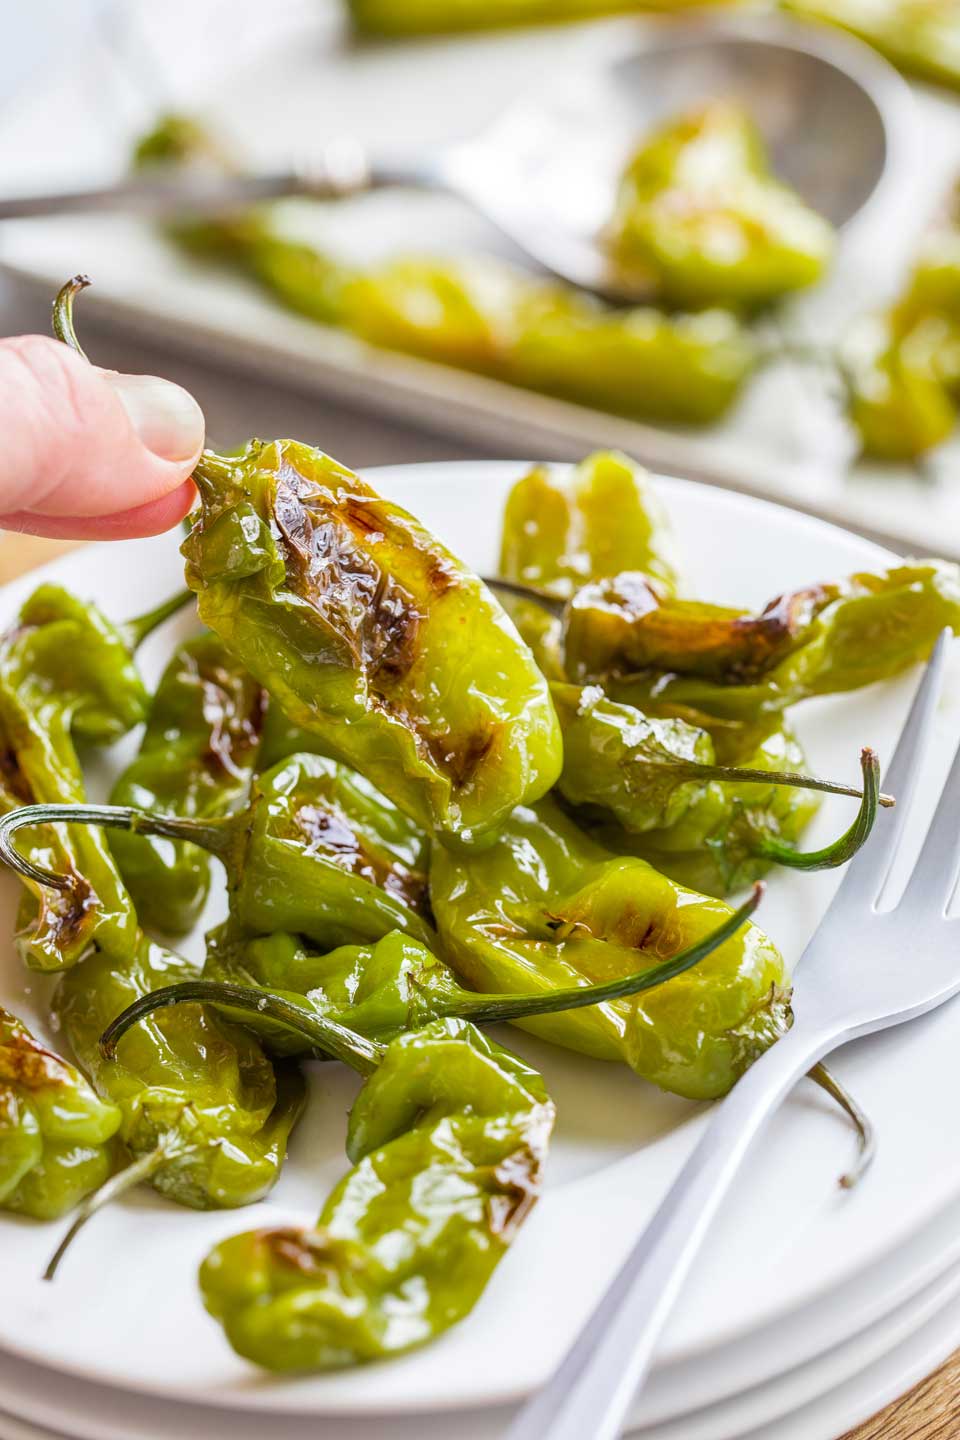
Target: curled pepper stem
<point>846,845</point>
<point>213,835</point>
<point>866,1134</point>
<point>325,1035</point>
<point>63,313</point>
<point>135,631</point>
<point>134,1174</point>
<point>550,603</point>
<point>492,1008</point>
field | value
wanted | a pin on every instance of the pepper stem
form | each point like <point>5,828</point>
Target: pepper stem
<point>845,846</point>
<point>746,775</point>
<point>63,313</point>
<point>491,1008</point>
<point>134,1174</point>
<point>135,631</point>
<point>325,1035</point>
<point>215,836</point>
<point>550,603</point>
<point>866,1135</point>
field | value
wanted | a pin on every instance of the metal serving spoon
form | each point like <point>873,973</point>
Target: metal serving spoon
<point>546,171</point>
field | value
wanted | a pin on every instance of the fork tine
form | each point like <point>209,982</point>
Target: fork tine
<point>934,875</point>
<point>868,871</point>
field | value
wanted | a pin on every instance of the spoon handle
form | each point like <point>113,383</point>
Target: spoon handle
<point>336,170</point>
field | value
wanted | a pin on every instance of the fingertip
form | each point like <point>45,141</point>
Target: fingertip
<point>153,518</point>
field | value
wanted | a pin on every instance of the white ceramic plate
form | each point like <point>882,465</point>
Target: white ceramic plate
<point>126,1309</point>
<point>85,1412</point>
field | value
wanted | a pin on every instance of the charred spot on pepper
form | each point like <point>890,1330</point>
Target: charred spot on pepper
<point>304,1251</point>
<point>12,778</point>
<point>458,757</point>
<point>64,915</point>
<point>329,832</point>
<point>24,1061</point>
<point>368,610</point>
<point>517,1180</point>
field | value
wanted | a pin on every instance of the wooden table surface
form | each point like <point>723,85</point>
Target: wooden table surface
<point>236,408</point>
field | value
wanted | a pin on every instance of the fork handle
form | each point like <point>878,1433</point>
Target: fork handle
<point>594,1384</point>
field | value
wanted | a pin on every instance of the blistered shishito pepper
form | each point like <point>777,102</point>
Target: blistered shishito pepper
<point>547,907</point>
<point>701,219</point>
<point>278,987</point>
<point>67,673</point>
<point>55,1133</point>
<point>195,759</point>
<point>732,831</point>
<point>202,1112</point>
<point>707,813</point>
<point>920,37</point>
<point>703,662</point>
<point>363,627</point>
<point>903,368</point>
<point>558,533</point>
<point>480,313</point>
<point>317,851</point>
<point>438,17</point>
<point>604,517</point>
<point>484,314</point>
<point>448,1139</point>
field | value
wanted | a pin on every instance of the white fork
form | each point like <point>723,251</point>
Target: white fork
<point>864,970</point>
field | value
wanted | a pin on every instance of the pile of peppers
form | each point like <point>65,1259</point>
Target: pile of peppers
<point>438,802</point>
<point>487,315</point>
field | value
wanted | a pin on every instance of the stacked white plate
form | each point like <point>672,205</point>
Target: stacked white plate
<point>811,1307</point>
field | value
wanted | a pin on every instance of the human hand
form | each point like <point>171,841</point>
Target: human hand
<point>88,453</point>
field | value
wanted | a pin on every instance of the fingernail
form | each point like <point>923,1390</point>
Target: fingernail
<point>167,418</point>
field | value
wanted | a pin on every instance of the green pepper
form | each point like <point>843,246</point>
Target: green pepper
<point>379,991</point>
<point>201,1107</point>
<point>447,1138</point>
<point>317,851</point>
<point>55,1133</point>
<point>438,17</point>
<point>291,997</point>
<point>729,831</point>
<point>66,672</point>
<point>559,533</point>
<point>281,738</point>
<point>902,369</point>
<point>202,1112</point>
<point>702,220</point>
<point>717,664</point>
<point>702,810</point>
<point>547,907</point>
<point>361,625</point>
<point>195,759</point>
<point>603,518</point>
<point>483,314</point>
<point>920,37</point>
<point>479,313</point>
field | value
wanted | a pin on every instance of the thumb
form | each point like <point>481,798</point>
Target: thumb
<point>89,452</point>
